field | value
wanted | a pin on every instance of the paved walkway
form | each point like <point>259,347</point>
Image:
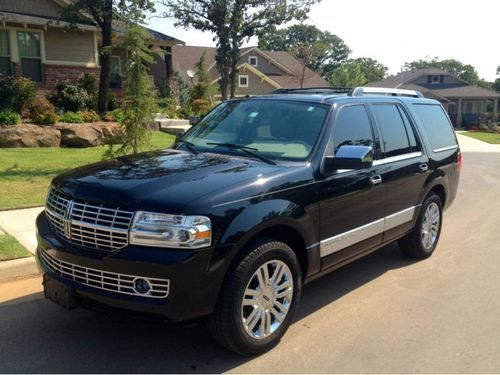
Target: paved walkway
<point>21,225</point>
<point>469,144</point>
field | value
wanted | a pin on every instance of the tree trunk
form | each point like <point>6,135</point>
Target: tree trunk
<point>222,59</point>
<point>105,62</point>
<point>234,66</point>
<point>302,77</point>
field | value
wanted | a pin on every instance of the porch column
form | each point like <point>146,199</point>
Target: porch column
<point>168,61</point>
<point>459,113</point>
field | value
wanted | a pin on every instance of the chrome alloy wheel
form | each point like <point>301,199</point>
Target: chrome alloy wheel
<point>430,225</point>
<point>267,299</point>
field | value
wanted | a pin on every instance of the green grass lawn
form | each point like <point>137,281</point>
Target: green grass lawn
<point>25,173</point>
<point>11,249</point>
<point>485,137</point>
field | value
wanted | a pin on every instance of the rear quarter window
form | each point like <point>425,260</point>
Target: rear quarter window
<point>436,125</point>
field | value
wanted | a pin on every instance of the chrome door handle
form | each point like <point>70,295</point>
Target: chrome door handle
<point>423,167</point>
<point>375,180</point>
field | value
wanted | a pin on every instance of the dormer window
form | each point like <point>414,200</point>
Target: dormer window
<point>434,79</point>
<point>252,60</point>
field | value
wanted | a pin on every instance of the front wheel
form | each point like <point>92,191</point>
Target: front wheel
<point>258,299</point>
<point>421,242</point>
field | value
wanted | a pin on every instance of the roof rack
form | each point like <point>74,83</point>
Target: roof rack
<point>360,91</point>
<point>314,90</point>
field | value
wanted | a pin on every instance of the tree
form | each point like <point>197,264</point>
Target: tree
<point>102,13</point>
<point>232,22</point>
<point>348,75</point>
<point>201,92</point>
<point>330,51</point>
<point>372,69</point>
<point>496,85</point>
<point>139,92</point>
<point>463,71</point>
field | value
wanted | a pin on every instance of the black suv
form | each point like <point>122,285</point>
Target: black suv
<point>262,195</point>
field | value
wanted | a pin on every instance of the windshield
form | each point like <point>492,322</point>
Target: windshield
<point>272,128</point>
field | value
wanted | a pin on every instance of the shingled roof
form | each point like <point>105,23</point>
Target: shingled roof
<point>441,92</point>
<point>184,58</point>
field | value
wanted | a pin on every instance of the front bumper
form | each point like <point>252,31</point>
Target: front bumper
<point>185,283</point>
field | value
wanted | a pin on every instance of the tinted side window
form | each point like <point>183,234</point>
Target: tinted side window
<point>352,128</point>
<point>394,136</point>
<point>409,130</point>
<point>436,125</point>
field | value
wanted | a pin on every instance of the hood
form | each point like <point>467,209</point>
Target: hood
<point>165,180</point>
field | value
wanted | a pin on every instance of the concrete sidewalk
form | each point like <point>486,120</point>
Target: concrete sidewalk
<point>469,144</point>
<point>21,225</point>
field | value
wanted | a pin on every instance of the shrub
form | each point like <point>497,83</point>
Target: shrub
<point>16,94</point>
<point>112,102</point>
<point>9,118</point>
<point>42,112</point>
<point>90,116</point>
<point>72,117</point>
<point>113,116</point>
<point>69,96</point>
<point>89,83</point>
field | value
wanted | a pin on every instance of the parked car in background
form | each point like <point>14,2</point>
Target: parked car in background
<point>261,196</point>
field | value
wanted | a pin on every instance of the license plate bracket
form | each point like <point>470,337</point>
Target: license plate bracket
<point>60,293</point>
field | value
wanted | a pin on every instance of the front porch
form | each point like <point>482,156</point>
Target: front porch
<point>465,111</point>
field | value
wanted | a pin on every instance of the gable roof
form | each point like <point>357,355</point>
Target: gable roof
<point>184,58</point>
<point>440,92</point>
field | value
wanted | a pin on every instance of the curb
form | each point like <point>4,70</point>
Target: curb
<point>16,268</point>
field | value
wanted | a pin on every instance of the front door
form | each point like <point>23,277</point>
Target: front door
<point>352,201</point>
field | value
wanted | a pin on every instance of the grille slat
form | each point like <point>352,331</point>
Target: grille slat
<point>105,280</point>
<point>88,225</point>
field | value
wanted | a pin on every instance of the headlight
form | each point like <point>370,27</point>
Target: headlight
<point>176,231</point>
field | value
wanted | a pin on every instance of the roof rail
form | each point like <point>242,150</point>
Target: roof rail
<point>360,91</point>
<point>313,90</point>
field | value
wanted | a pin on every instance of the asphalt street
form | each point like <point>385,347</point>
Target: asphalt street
<point>383,313</point>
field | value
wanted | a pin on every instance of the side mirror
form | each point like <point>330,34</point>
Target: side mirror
<point>349,157</point>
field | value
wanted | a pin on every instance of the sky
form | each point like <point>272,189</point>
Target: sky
<point>396,31</point>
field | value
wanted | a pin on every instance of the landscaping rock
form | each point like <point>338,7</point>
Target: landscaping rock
<point>28,135</point>
<point>108,129</point>
<point>80,136</point>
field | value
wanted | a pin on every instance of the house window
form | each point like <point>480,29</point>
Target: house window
<point>5,65</point>
<point>115,78</point>
<point>243,81</point>
<point>28,44</point>
<point>252,60</point>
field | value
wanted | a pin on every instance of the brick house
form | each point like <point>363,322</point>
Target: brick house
<point>259,71</point>
<point>34,44</point>
<point>464,102</point>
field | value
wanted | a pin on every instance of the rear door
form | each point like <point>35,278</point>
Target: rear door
<point>404,166</point>
<point>352,202</point>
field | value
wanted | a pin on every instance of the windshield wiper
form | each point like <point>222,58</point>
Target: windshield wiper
<point>190,146</point>
<point>248,150</point>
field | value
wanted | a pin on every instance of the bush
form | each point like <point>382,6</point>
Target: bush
<point>16,94</point>
<point>89,83</point>
<point>72,117</point>
<point>112,101</point>
<point>42,112</point>
<point>90,116</point>
<point>9,118</point>
<point>113,116</point>
<point>69,96</point>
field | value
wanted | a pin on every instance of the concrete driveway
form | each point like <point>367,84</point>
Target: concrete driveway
<point>383,313</point>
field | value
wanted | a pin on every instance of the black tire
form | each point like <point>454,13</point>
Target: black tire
<point>226,323</point>
<point>412,244</point>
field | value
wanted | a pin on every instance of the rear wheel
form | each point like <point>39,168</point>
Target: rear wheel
<point>258,299</point>
<point>421,242</point>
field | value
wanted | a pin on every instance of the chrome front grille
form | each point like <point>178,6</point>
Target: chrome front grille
<point>88,225</point>
<point>110,281</point>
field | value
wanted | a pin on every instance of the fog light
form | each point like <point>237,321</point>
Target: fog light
<point>142,286</point>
